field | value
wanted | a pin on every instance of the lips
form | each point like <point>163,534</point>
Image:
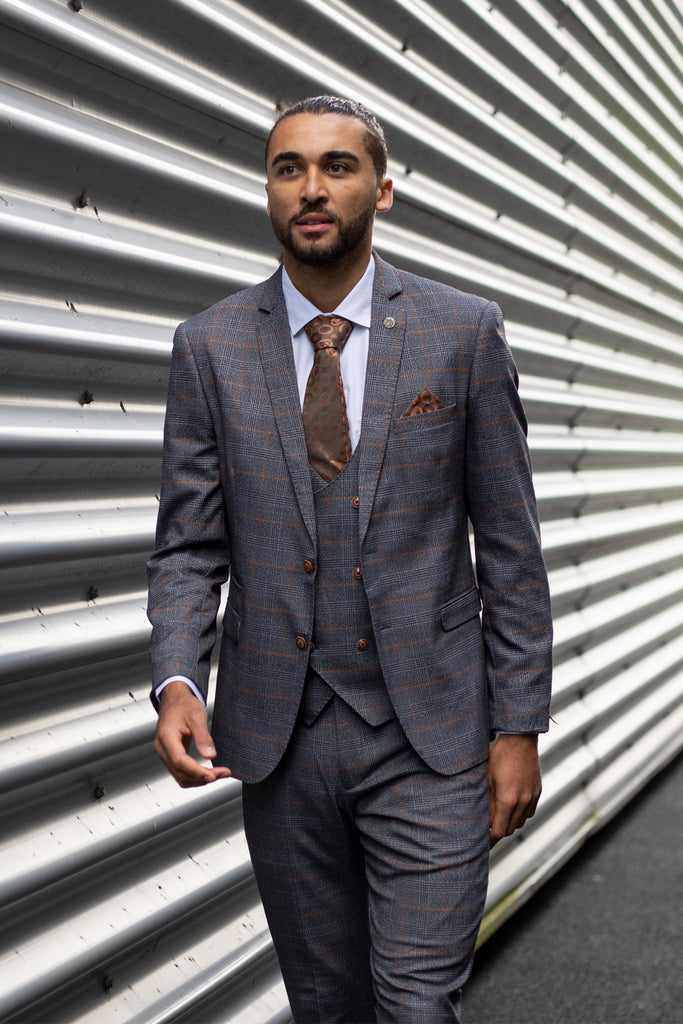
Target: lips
<point>313,223</point>
<point>314,218</point>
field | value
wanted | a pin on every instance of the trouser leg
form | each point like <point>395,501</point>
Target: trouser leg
<point>426,845</point>
<point>310,871</point>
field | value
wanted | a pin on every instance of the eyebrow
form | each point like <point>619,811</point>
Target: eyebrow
<point>291,156</point>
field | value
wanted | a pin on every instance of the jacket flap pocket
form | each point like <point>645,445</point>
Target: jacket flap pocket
<point>461,608</point>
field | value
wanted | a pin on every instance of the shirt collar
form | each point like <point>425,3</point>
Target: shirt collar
<point>356,306</point>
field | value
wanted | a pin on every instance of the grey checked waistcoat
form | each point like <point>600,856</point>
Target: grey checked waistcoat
<point>344,653</point>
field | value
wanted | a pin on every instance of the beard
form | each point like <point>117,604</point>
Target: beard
<point>316,252</point>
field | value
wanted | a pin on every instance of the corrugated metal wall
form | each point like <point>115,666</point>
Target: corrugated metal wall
<point>537,154</point>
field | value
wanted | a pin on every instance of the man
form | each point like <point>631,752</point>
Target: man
<point>330,467</point>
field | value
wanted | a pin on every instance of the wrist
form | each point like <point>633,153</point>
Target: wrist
<point>176,690</point>
<point>526,739</point>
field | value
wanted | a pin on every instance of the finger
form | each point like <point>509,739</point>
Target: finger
<point>495,817</point>
<point>500,808</point>
<point>500,825</point>
<point>199,732</point>
<point>170,744</point>
<point>201,736</point>
<point>526,806</point>
<point>184,769</point>
<point>188,772</point>
<point>492,801</point>
<point>511,816</point>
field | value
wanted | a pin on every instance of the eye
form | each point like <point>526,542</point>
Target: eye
<point>287,170</point>
<point>337,168</point>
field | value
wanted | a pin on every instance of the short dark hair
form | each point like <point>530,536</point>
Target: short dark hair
<point>375,142</point>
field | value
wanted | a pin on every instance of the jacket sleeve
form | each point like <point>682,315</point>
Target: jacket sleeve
<point>192,554</point>
<point>511,575</point>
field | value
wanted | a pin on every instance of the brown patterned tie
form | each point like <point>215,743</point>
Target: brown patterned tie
<point>326,424</point>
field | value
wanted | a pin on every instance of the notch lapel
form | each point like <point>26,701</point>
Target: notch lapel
<point>277,359</point>
<point>387,332</point>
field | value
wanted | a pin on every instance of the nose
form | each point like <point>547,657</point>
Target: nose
<point>313,185</point>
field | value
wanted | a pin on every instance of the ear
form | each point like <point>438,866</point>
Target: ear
<point>268,203</point>
<point>385,195</point>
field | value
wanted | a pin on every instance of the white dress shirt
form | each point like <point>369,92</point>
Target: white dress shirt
<point>357,307</point>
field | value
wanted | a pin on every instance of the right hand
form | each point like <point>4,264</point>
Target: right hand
<point>182,719</point>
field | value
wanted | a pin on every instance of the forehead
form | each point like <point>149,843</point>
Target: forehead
<point>315,134</point>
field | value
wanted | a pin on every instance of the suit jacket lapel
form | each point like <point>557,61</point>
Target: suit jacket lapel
<point>387,333</point>
<point>277,359</point>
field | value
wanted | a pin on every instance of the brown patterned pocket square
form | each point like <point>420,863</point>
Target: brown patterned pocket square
<point>424,402</point>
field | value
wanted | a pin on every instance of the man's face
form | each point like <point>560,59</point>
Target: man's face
<point>322,188</point>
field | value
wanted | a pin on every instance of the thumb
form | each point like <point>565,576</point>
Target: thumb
<point>202,736</point>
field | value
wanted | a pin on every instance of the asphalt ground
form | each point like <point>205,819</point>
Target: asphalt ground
<point>601,943</point>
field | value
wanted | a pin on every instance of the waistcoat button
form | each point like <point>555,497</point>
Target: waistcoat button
<point>358,573</point>
<point>355,502</point>
<point>363,645</point>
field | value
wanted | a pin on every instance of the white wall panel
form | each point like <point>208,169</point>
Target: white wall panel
<point>537,157</point>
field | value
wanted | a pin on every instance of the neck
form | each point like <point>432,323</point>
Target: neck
<point>326,286</point>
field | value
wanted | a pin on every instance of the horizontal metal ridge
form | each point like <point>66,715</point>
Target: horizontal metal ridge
<point>54,639</point>
<point>586,533</point>
<point>42,223</point>
<point>591,622</point>
<point>90,935</point>
<point>593,661</point>
<point>115,825</point>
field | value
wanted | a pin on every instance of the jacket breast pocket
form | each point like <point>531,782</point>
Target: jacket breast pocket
<point>429,431</point>
<point>424,453</point>
<point>427,421</point>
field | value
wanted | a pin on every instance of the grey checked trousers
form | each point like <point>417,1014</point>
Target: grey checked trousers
<point>372,869</point>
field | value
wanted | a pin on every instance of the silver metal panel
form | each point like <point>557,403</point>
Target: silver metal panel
<point>537,158</point>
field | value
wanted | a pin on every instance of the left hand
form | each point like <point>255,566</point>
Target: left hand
<point>514,783</point>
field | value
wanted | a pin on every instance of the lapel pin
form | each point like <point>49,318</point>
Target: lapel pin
<point>389,321</point>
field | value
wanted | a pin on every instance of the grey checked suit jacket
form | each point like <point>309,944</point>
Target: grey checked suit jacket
<point>237,500</point>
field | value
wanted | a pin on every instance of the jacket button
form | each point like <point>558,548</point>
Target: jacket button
<point>358,573</point>
<point>308,566</point>
<point>363,645</point>
<point>355,502</point>
<point>301,643</point>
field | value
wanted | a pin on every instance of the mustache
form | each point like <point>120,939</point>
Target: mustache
<point>313,208</point>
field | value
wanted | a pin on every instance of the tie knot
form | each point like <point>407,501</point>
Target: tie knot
<point>328,331</point>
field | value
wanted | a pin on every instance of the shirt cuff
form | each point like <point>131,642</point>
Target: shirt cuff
<point>182,679</point>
